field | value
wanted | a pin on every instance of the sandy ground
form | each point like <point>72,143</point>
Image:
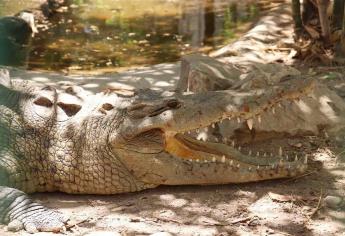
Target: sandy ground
<point>297,206</point>
<point>160,77</point>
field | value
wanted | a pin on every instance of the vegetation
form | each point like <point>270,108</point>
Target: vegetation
<point>313,23</point>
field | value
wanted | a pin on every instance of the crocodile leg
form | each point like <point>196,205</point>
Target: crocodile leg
<point>19,211</point>
<point>16,208</point>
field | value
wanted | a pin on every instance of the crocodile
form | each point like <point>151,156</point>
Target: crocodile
<point>59,140</point>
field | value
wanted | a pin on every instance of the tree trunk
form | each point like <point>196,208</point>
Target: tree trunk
<point>296,15</point>
<point>324,21</point>
<point>342,41</point>
<point>309,11</point>
<point>338,14</point>
<point>209,17</point>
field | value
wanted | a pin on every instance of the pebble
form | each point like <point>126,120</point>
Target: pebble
<point>333,201</point>
<point>15,226</point>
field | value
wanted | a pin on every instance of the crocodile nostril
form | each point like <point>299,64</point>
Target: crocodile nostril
<point>107,106</point>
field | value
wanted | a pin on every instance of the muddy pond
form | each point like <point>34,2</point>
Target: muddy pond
<point>114,35</point>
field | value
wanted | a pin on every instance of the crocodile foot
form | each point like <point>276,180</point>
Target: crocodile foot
<point>20,212</point>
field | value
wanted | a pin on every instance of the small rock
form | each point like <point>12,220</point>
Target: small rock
<point>333,201</point>
<point>103,233</point>
<point>298,145</point>
<point>161,234</point>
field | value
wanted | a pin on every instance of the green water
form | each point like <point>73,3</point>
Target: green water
<point>11,7</point>
<point>110,35</point>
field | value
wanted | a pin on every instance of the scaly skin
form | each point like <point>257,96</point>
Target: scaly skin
<point>106,144</point>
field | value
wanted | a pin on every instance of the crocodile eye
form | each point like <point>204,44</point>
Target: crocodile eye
<point>173,103</point>
<point>43,101</point>
<point>48,88</point>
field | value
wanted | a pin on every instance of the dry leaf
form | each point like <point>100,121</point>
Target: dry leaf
<point>289,198</point>
<point>313,33</point>
<point>281,198</point>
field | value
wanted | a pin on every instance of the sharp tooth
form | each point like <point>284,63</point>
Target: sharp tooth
<point>280,151</point>
<point>273,166</point>
<point>238,120</point>
<point>259,118</point>
<point>273,110</point>
<point>238,166</point>
<point>190,160</point>
<point>258,168</point>
<point>296,158</point>
<point>250,152</point>
<point>217,140</point>
<point>281,162</point>
<point>197,160</point>
<point>233,143</point>
<point>250,168</point>
<point>306,159</point>
<point>223,159</point>
<point>265,154</point>
<point>231,162</point>
<point>229,119</point>
<point>258,154</point>
<point>239,148</point>
<point>213,125</point>
<point>301,168</point>
<point>206,161</point>
<point>250,124</point>
<point>287,157</point>
<point>271,154</point>
<point>188,132</point>
<point>326,135</point>
<point>214,159</point>
<point>279,105</point>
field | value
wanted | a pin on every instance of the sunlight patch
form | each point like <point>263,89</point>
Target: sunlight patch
<point>40,79</point>
<point>303,107</point>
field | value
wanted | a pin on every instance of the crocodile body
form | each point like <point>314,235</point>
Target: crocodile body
<point>53,140</point>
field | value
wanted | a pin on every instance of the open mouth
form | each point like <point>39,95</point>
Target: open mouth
<point>208,145</point>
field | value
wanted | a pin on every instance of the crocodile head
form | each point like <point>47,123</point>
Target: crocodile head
<point>184,139</point>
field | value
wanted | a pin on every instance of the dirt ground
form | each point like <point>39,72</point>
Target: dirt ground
<point>312,204</point>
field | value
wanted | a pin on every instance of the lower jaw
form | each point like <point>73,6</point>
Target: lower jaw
<point>190,149</point>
